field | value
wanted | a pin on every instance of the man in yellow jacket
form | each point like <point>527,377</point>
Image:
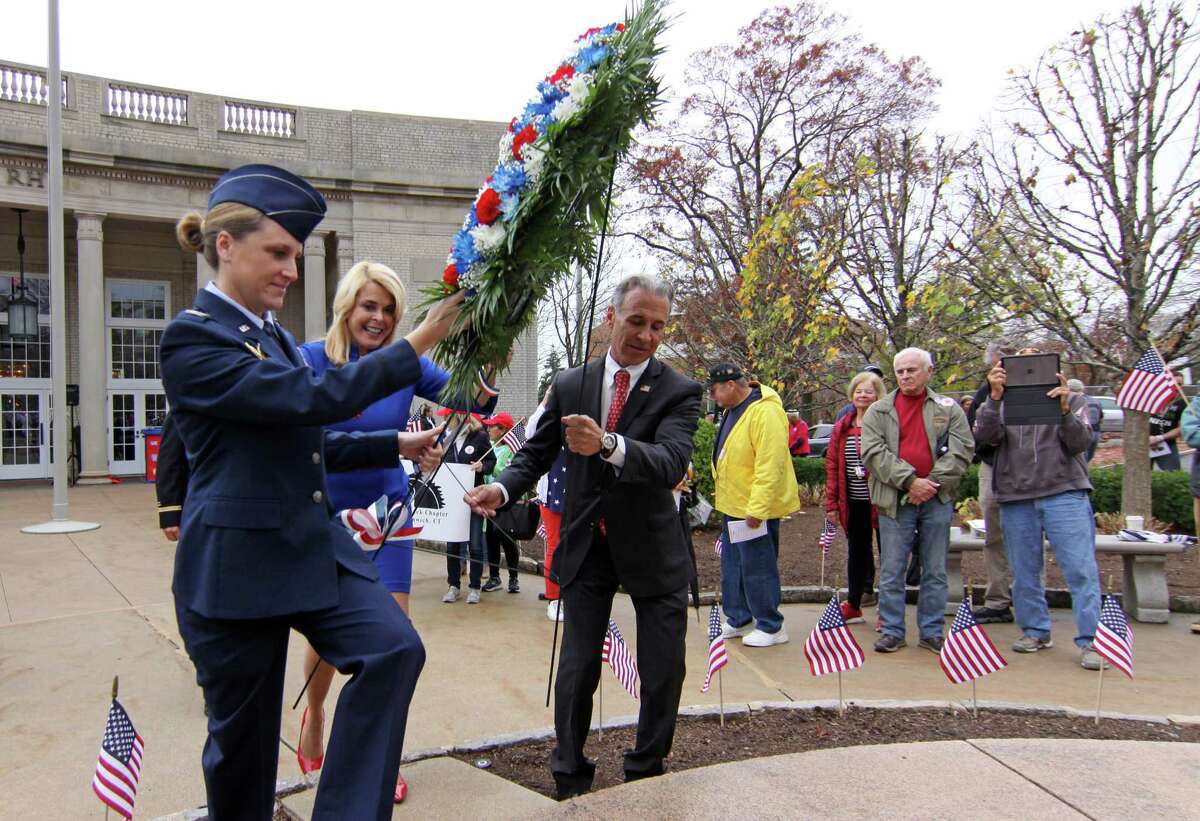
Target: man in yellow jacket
<point>756,485</point>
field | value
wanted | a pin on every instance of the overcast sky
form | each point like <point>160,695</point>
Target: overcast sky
<point>480,60</point>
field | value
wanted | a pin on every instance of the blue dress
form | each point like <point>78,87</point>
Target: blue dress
<point>360,488</point>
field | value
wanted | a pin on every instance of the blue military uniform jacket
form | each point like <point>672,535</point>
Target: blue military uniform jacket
<point>257,538</point>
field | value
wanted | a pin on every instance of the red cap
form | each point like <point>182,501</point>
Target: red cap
<point>500,418</point>
<point>448,411</point>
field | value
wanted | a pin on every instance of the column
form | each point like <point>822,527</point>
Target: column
<point>314,286</point>
<point>345,254</point>
<point>93,400</point>
<point>204,273</point>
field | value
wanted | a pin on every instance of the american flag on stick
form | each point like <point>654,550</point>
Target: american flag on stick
<point>374,525</point>
<point>1148,387</point>
<point>719,546</point>
<point>120,763</point>
<point>716,647</point>
<point>830,647</point>
<point>515,438</point>
<point>541,528</point>
<point>415,425</point>
<point>616,652</point>
<point>828,532</point>
<point>1114,639</point>
<point>967,653</point>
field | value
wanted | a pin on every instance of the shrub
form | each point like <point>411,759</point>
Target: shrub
<point>810,470</point>
<point>703,441</point>
<point>968,488</point>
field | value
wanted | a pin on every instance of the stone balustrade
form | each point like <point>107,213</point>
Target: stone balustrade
<point>259,118</point>
<point>26,84</point>
<point>147,104</point>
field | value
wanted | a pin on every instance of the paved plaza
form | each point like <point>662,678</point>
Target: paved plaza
<point>75,610</point>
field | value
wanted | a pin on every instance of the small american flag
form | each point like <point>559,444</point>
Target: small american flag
<point>541,529</point>
<point>616,652</point>
<point>372,526</point>
<point>828,532</point>
<point>1148,387</point>
<point>1114,638</point>
<point>415,425</point>
<point>716,646</point>
<point>968,653</point>
<point>719,546</point>
<point>515,438</point>
<point>120,762</point>
<point>830,647</point>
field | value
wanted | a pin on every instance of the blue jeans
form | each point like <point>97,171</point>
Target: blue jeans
<point>457,551</point>
<point>750,579</point>
<point>1066,519</point>
<point>925,527</point>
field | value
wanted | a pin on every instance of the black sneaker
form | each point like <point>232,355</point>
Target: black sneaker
<point>988,615</point>
<point>933,644</point>
<point>888,643</point>
<point>513,585</point>
<point>491,586</point>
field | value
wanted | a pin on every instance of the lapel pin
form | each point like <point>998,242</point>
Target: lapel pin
<point>256,350</point>
<point>243,328</point>
<point>644,389</point>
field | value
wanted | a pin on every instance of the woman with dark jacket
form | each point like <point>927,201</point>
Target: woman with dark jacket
<point>847,501</point>
<point>470,447</point>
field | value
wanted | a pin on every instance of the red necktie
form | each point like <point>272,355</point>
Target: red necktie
<point>620,394</point>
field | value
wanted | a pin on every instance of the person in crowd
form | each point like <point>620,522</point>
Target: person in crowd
<point>497,426</point>
<point>916,445</point>
<point>1164,432</point>
<point>620,523</point>
<point>259,553</point>
<point>755,488</point>
<point>966,402</point>
<point>997,602</point>
<point>848,408</point>
<point>470,447</point>
<point>367,308</point>
<point>847,498</point>
<point>1095,414</point>
<point>797,435</point>
<point>1041,482</point>
<point>170,480</point>
<point>552,499</point>
<point>1190,429</point>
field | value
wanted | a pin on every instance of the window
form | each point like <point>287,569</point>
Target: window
<point>25,360</point>
<point>137,317</point>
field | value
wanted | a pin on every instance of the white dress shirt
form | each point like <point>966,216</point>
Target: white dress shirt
<point>259,321</point>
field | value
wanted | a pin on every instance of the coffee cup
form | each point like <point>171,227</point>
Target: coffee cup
<point>1135,523</point>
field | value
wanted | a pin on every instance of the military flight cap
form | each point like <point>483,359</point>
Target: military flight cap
<point>723,372</point>
<point>280,194</point>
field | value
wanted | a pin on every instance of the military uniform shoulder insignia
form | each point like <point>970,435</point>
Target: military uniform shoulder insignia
<point>945,401</point>
<point>196,313</point>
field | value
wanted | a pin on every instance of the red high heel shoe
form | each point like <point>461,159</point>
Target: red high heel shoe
<point>308,765</point>
<point>401,790</point>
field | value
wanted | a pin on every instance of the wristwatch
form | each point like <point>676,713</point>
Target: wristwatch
<point>608,444</point>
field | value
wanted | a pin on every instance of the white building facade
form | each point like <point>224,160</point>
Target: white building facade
<point>136,158</point>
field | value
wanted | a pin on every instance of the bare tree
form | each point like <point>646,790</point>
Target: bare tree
<point>1092,208</point>
<point>790,95</point>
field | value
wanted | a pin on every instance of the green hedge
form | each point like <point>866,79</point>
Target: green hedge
<point>703,441</point>
<point>1169,491</point>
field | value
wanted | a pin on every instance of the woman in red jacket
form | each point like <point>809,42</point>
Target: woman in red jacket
<point>847,501</point>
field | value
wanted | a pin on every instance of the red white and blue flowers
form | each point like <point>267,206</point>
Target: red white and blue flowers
<point>559,99</point>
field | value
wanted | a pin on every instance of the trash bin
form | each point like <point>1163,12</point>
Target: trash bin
<point>153,437</point>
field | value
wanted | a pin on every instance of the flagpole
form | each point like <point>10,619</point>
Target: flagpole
<point>115,686</point>
<point>974,699</point>
<point>822,569</point>
<point>721,695</point>
<point>841,705</point>
<point>600,692</point>
<point>1099,691</point>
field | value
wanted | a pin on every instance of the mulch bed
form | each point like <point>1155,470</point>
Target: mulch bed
<point>800,559</point>
<point>702,741</point>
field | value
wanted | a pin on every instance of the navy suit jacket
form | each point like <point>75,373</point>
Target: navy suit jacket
<point>257,538</point>
<point>642,522</point>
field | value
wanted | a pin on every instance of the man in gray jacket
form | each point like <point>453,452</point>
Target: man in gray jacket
<point>1040,479</point>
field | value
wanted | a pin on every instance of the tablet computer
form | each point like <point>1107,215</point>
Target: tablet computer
<point>1029,379</point>
<point>1031,369</point>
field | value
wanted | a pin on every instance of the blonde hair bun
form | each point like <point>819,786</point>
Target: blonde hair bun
<point>190,232</point>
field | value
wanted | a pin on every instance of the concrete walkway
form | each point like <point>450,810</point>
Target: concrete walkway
<point>75,610</point>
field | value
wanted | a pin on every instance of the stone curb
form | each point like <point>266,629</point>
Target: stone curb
<point>287,787</point>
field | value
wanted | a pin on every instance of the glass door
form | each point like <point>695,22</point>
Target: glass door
<point>24,434</point>
<point>129,413</point>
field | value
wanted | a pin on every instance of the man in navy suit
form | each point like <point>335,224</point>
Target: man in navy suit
<point>258,551</point>
<point>628,423</point>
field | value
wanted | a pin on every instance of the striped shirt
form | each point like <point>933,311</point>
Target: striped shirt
<point>856,475</point>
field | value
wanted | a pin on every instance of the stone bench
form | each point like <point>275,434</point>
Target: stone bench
<point>1145,595</point>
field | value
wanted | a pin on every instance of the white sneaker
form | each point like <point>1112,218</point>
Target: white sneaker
<point>731,632</point>
<point>760,639</point>
<point>451,595</point>
<point>473,595</point>
<point>554,611</point>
